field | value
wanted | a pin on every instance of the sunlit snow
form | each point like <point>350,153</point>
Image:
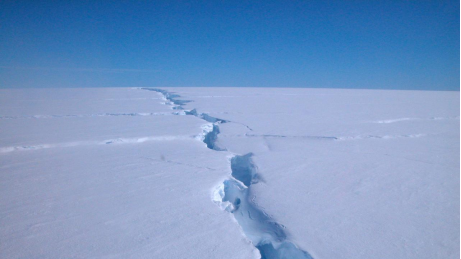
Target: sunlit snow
<point>229,173</point>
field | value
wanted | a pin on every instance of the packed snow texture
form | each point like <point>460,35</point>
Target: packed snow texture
<point>297,173</point>
<point>265,234</point>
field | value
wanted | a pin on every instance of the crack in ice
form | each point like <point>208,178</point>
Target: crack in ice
<point>234,194</point>
<point>210,131</point>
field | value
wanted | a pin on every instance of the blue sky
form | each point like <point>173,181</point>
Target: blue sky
<point>338,44</point>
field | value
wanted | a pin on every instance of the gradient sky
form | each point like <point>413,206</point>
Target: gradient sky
<point>338,44</point>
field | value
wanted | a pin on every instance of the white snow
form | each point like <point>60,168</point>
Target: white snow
<point>133,173</point>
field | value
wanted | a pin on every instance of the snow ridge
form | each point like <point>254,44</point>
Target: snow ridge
<point>287,136</point>
<point>130,114</point>
<point>415,119</point>
<point>234,194</point>
<point>117,141</point>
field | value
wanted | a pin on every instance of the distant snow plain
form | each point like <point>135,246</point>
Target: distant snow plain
<point>229,173</point>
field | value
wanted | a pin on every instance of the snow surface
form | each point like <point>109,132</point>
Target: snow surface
<point>229,173</point>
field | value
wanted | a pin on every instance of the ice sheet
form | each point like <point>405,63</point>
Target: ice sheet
<point>134,173</point>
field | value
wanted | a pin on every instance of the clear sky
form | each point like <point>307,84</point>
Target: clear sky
<point>338,44</point>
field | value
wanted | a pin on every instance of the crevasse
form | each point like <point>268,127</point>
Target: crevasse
<point>234,194</point>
